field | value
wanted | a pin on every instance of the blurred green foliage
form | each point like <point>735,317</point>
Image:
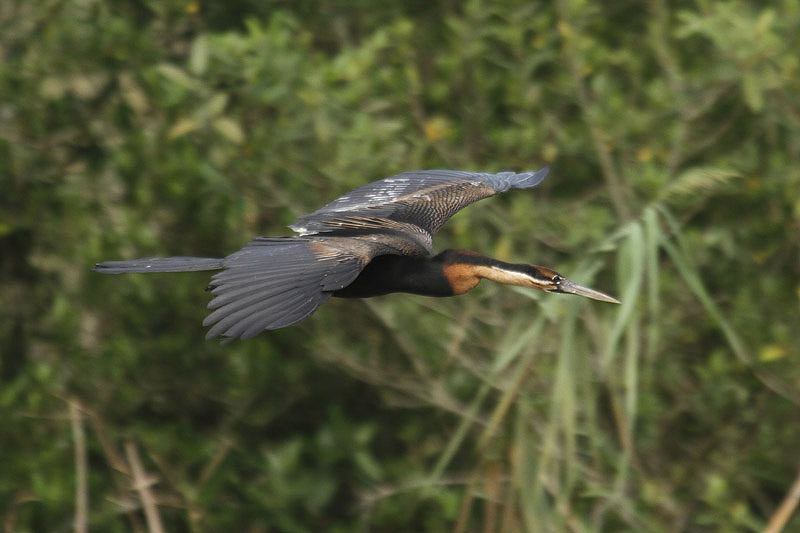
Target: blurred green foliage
<point>177,127</point>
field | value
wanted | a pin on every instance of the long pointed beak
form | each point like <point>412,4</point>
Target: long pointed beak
<point>570,287</point>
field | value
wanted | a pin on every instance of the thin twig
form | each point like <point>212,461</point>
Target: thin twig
<point>493,484</point>
<point>81,469</point>
<point>510,394</point>
<point>466,505</point>
<point>117,462</point>
<point>786,508</point>
<point>141,484</point>
<point>216,461</point>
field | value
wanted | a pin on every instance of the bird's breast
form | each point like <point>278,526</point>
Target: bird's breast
<point>386,274</point>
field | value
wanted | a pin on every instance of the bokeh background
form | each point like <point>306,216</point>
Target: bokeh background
<point>149,128</point>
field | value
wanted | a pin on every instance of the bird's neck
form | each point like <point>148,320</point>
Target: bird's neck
<point>450,273</point>
<point>464,269</point>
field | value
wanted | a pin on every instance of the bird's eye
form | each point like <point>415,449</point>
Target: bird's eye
<point>557,280</point>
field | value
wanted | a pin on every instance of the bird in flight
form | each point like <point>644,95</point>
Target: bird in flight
<point>376,239</point>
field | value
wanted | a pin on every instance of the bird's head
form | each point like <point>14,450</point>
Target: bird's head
<point>551,281</point>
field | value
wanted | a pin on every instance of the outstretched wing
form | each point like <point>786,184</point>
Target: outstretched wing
<point>424,199</point>
<point>275,282</point>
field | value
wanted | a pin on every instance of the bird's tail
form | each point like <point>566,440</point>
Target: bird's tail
<point>159,264</point>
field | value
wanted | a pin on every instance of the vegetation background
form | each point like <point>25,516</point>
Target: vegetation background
<point>146,128</point>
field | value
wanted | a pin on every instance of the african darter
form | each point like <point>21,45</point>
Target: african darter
<point>374,240</point>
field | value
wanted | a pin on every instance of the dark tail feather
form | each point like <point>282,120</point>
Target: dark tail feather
<point>159,264</point>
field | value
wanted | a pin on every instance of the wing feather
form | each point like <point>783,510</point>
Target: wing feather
<point>275,282</point>
<point>425,199</point>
